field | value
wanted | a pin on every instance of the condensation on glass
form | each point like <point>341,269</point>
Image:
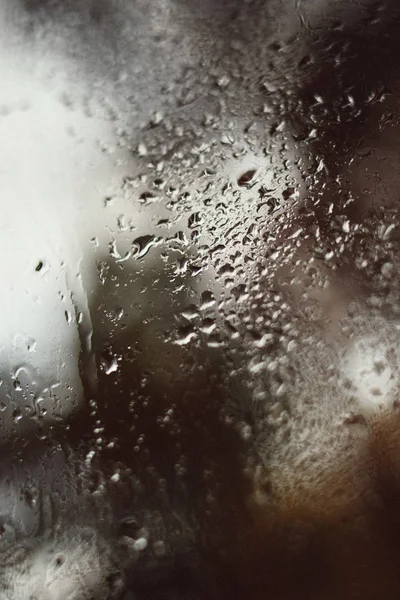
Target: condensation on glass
<point>199,384</point>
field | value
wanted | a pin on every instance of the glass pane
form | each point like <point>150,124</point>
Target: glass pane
<point>200,314</point>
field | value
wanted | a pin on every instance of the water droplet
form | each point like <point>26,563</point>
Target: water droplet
<point>143,244</point>
<point>226,269</point>
<point>156,118</point>
<point>142,150</point>
<point>208,326</point>
<point>207,300</point>
<point>387,270</point>
<point>223,81</point>
<point>191,312</point>
<point>110,366</point>
<point>185,335</point>
<point>140,544</point>
<point>17,415</point>
<point>239,292</point>
<point>246,178</point>
<point>227,139</point>
<point>385,232</point>
<point>256,367</point>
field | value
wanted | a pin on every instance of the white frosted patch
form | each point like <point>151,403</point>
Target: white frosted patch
<point>58,163</point>
<point>371,371</point>
<point>71,568</point>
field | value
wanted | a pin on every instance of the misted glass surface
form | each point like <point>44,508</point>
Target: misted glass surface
<point>200,315</point>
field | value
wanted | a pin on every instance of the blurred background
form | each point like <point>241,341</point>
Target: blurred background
<point>199,266</point>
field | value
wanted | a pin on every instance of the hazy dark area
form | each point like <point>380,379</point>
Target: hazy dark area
<point>200,307</point>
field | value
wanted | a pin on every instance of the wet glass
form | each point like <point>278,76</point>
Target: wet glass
<point>200,299</point>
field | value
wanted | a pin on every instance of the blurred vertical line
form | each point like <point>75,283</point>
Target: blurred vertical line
<point>87,366</point>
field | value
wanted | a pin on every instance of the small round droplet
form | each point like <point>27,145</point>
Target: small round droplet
<point>140,544</point>
<point>387,270</point>
<point>60,560</point>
